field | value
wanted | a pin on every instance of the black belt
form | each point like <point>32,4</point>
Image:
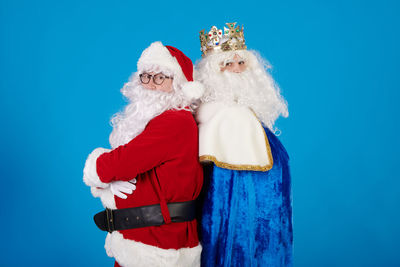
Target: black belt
<point>130,218</point>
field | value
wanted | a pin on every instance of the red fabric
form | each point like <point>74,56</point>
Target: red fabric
<point>185,62</point>
<point>167,149</point>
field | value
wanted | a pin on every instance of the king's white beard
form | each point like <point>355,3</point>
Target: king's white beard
<point>144,105</point>
<point>252,88</point>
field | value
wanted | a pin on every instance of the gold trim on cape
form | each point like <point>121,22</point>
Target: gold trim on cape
<point>242,167</point>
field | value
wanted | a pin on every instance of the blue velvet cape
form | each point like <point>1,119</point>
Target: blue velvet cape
<point>246,216</point>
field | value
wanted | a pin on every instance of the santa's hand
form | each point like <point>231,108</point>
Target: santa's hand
<point>120,187</point>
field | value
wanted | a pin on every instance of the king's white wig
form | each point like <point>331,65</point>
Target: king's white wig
<point>144,105</point>
<point>253,87</point>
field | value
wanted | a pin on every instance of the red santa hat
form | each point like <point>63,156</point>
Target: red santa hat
<point>172,59</point>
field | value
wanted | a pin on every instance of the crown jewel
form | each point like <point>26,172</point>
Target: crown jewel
<point>232,39</point>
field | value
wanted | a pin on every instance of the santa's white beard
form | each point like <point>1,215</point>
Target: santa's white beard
<point>252,88</point>
<point>144,105</point>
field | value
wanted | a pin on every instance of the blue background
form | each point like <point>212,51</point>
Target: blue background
<point>62,64</point>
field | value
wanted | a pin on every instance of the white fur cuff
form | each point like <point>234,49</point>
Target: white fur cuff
<point>105,195</point>
<point>90,176</point>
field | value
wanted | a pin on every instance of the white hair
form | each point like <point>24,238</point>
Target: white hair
<point>254,87</point>
<point>144,105</point>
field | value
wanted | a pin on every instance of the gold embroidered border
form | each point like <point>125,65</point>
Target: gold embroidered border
<point>242,167</point>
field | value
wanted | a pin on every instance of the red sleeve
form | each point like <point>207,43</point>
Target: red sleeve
<point>146,151</point>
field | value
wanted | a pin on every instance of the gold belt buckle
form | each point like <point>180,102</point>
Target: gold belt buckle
<point>110,220</point>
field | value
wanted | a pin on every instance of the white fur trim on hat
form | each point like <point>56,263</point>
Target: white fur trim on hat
<point>129,253</point>
<point>193,90</point>
<point>157,55</point>
<point>90,176</point>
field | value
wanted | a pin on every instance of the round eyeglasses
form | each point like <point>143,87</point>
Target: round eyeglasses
<point>158,78</point>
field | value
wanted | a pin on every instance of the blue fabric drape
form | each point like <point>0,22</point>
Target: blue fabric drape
<point>246,216</point>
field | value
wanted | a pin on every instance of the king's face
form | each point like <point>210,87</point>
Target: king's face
<point>237,65</point>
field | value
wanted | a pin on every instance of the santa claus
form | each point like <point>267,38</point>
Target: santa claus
<point>155,146</point>
<point>246,214</point>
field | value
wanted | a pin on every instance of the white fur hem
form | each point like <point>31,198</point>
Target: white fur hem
<point>90,176</point>
<point>129,253</point>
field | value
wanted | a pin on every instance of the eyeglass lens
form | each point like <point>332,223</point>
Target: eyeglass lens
<point>157,79</point>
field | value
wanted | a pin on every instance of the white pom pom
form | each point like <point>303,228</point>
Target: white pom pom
<point>193,90</point>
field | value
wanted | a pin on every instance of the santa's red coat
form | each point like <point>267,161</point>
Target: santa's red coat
<point>167,151</point>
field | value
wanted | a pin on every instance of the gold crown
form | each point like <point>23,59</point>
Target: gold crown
<point>232,39</point>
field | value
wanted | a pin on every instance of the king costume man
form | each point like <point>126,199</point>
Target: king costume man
<point>246,215</point>
<point>155,145</point>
